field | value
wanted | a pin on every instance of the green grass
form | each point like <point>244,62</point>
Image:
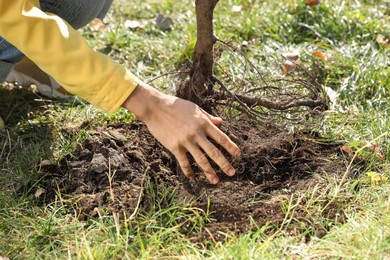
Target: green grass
<point>358,72</point>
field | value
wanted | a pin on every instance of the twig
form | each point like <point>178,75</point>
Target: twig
<point>132,216</point>
<point>165,74</point>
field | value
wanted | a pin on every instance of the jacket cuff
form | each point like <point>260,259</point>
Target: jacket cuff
<point>116,90</point>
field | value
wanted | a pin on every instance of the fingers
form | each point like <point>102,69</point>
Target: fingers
<point>201,148</point>
<point>185,165</point>
<point>222,139</point>
<point>199,152</point>
<point>203,162</point>
<point>216,155</point>
<point>217,135</point>
<point>214,119</point>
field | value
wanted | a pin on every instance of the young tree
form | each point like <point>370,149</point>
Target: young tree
<point>201,88</point>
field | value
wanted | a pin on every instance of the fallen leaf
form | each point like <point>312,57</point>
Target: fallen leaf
<point>321,56</point>
<point>39,192</point>
<point>293,56</point>
<point>377,149</point>
<point>288,67</point>
<point>332,95</point>
<point>163,22</point>
<point>347,149</point>
<point>97,24</point>
<point>236,8</point>
<point>312,2</point>
<point>134,24</point>
<point>291,62</point>
<point>382,40</point>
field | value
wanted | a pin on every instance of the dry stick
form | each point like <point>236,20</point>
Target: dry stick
<point>265,102</point>
<point>5,144</point>
<point>338,186</point>
<point>234,50</point>
<point>132,216</point>
<point>277,105</point>
<point>211,235</point>
<point>166,74</point>
<point>110,178</point>
<point>245,108</point>
<point>317,88</point>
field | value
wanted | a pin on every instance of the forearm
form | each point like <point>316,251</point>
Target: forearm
<point>61,51</point>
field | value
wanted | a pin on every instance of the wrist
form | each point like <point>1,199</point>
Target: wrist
<point>143,100</point>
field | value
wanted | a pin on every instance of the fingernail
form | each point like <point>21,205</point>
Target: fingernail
<point>215,180</point>
<point>231,172</point>
<point>238,153</point>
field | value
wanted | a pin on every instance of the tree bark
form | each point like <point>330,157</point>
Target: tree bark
<point>205,35</point>
<point>200,86</point>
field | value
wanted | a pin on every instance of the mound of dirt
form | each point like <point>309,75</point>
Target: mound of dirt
<point>106,174</point>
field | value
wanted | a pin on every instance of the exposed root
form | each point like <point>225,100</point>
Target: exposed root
<point>288,98</point>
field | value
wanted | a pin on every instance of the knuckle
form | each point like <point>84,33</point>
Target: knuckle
<point>223,139</point>
<point>204,123</point>
<point>175,150</point>
<point>186,168</point>
<point>202,160</point>
<point>209,171</point>
<point>215,153</point>
<point>191,135</point>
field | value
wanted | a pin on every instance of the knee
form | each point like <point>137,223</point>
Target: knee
<point>77,13</point>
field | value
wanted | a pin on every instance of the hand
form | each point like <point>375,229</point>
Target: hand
<point>183,127</point>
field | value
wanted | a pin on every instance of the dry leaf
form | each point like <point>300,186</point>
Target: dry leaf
<point>97,24</point>
<point>332,95</point>
<point>288,66</point>
<point>377,149</point>
<point>163,22</point>
<point>312,2</point>
<point>347,149</point>
<point>321,56</point>
<point>132,24</point>
<point>113,133</point>
<point>39,192</point>
<point>291,62</point>
<point>382,40</point>
<point>236,8</point>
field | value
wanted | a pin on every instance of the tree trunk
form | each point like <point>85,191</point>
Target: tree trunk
<point>200,86</point>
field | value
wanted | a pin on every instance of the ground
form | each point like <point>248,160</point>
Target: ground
<point>106,174</point>
<point>77,183</point>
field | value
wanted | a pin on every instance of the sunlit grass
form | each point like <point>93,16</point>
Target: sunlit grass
<point>358,72</point>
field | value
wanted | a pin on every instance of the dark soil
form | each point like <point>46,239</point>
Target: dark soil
<point>105,174</point>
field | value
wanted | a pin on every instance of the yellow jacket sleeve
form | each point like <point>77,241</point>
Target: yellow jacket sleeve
<point>61,51</point>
